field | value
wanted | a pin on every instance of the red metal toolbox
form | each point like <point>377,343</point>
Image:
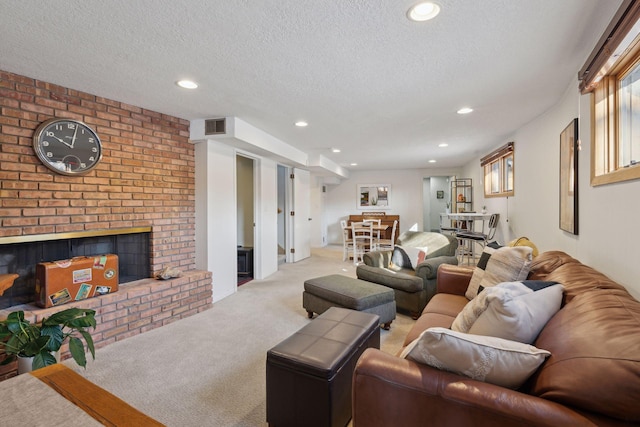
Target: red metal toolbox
<point>59,282</point>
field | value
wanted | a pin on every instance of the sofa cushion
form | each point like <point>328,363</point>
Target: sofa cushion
<point>511,310</point>
<point>578,278</point>
<point>547,262</point>
<point>506,264</point>
<point>441,311</point>
<point>493,360</point>
<point>595,355</point>
<point>400,278</point>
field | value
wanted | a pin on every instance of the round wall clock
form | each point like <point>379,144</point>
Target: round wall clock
<point>66,146</point>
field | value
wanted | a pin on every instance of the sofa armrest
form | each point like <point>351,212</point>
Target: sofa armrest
<point>453,279</point>
<point>380,259</point>
<point>428,269</point>
<point>389,391</point>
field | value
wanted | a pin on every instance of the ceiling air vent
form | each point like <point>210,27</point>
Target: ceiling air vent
<point>215,126</point>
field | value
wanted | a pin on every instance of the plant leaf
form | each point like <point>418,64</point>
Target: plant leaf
<point>16,316</point>
<point>56,336</point>
<point>65,316</point>
<point>32,348</point>
<point>77,351</point>
<point>89,339</point>
<point>42,359</point>
<point>8,359</point>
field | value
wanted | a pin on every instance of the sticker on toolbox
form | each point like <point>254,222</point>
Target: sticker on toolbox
<point>63,263</point>
<point>80,276</point>
<point>84,291</point>
<point>60,297</point>
<point>102,290</point>
<point>100,262</point>
<point>109,273</point>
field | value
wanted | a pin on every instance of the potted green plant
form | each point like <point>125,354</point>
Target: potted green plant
<point>21,338</point>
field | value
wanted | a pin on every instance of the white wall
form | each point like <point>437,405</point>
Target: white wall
<point>608,234</point>
<point>216,215</point>
<point>265,255</point>
<point>405,199</point>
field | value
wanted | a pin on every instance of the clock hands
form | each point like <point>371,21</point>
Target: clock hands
<point>63,141</point>
<point>73,141</point>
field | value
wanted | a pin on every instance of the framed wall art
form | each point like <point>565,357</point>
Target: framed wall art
<point>373,196</point>
<point>569,178</point>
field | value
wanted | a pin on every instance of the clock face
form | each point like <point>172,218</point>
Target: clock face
<point>66,146</point>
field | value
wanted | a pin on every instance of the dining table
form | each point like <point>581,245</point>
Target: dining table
<point>467,220</point>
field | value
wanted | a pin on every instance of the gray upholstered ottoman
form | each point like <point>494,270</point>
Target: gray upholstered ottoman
<point>309,374</point>
<point>336,290</point>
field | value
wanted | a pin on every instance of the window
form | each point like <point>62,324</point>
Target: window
<point>498,172</point>
<point>612,75</point>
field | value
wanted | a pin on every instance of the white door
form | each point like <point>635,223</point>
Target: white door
<point>301,215</point>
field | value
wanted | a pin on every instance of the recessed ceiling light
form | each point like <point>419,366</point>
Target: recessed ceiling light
<point>354,164</point>
<point>302,124</point>
<point>423,11</point>
<point>465,110</point>
<point>187,84</point>
<point>432,161</point>
<point>444,144</point>
<point>335,150</point>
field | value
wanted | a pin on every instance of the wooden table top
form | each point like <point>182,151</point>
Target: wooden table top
<point>95,401</point>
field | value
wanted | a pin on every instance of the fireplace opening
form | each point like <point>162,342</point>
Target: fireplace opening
<point>21,258</point>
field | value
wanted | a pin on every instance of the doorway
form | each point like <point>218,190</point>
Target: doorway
<point>283,207</point>
<point>436,193</point>
<point>245,211</point>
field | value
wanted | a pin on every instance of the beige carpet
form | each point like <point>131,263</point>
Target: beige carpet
<point>209,369</point>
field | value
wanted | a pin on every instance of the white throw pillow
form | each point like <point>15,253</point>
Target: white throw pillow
<point>511,310</point>
<point>489,359</point>
<point>507,264</point>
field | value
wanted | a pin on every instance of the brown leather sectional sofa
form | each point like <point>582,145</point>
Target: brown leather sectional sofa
<point>592,377</point>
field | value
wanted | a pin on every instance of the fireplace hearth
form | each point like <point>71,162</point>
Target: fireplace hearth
<point>20,255</point>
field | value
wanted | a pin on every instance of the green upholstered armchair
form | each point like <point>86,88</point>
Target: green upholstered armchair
<point>413,288</point>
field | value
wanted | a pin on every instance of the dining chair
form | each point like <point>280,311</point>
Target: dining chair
<point>362,235</point>
<point>447,226</point>
<point>387,244</point>
<point>469,238</point>
<point>375,222</point>
<point>347,241</point>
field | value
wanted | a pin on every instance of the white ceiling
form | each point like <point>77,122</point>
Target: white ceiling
<point>383,89</point>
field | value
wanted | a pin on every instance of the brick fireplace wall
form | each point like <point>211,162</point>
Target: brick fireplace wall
<point>146,178</point>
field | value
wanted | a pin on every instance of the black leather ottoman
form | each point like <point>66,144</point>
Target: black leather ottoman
<point>309,374</point>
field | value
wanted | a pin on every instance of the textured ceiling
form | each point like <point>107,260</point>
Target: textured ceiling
<point>383,89</point>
